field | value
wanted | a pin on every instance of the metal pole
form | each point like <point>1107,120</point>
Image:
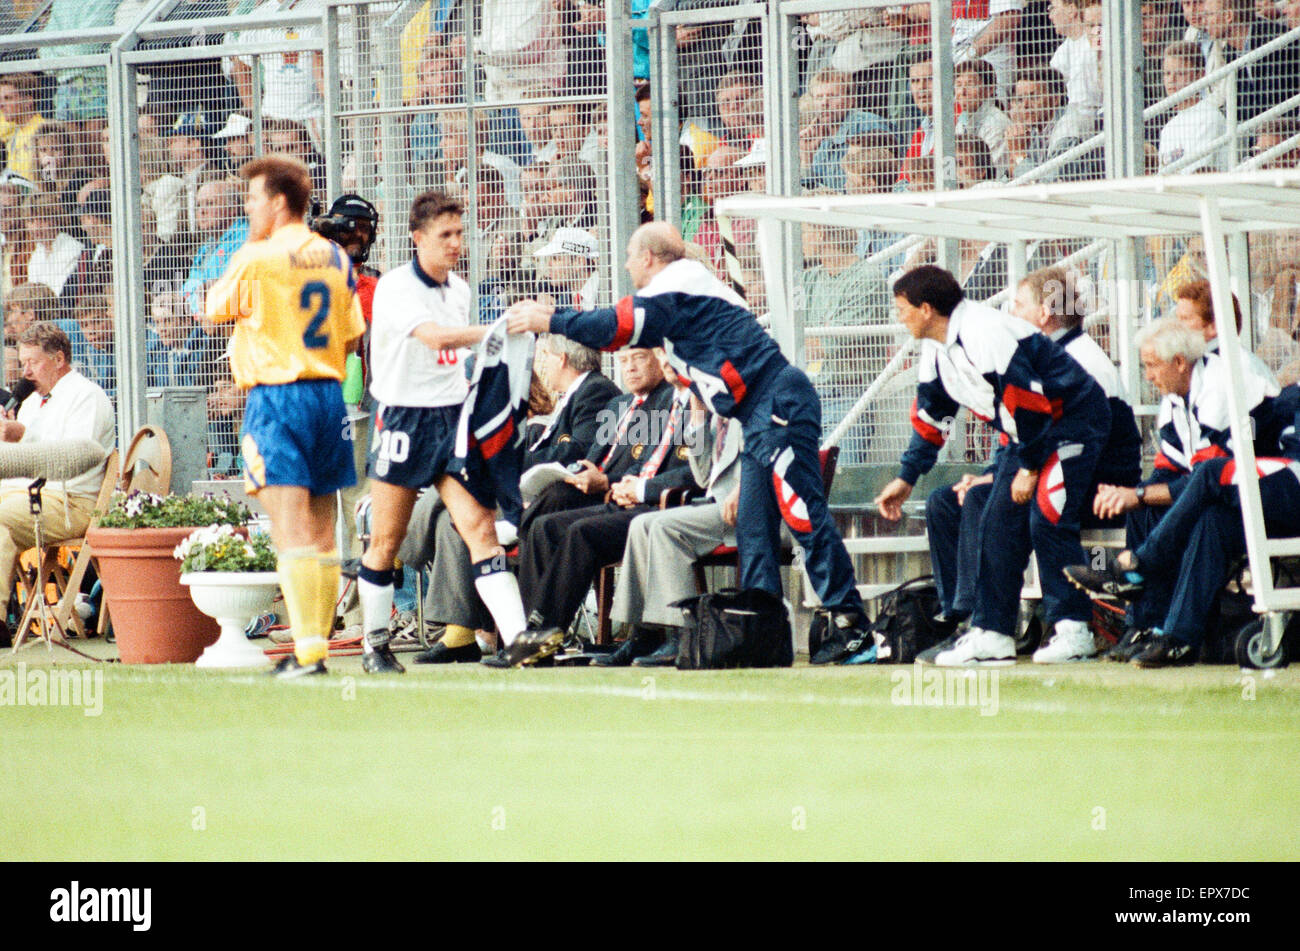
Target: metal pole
<point>331,130</point>
<point>945,133</point>
<point>128,265</point>
<point>621,109</point>
<point>476,264</point>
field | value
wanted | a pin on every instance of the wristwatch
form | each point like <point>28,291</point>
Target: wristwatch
<point>1141,493</point>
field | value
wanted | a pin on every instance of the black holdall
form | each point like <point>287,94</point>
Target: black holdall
<point>734,628</point>
<point>905,625</point>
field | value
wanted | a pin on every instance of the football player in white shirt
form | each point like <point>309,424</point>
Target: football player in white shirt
<point>418,340</point>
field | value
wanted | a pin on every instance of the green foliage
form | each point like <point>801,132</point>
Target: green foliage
<point>145,510</point>
<point>220,548</point>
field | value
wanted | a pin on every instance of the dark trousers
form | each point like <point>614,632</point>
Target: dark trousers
<point>954,534</point>
<point>1051,532</point>
<point>780,478</point>
<point>562,553</point>
<point>1148,610</point>
<point>1195,546</point>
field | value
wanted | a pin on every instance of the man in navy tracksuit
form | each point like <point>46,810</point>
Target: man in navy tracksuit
<point>738,371</point>
<point>1191,552</point>
<point>1192,429</point>
<point>1048,299</point>
<point>1057,420</point>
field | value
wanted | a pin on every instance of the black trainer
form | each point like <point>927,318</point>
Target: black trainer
<point>1165,651</point>
<point>1114,582</point>
<point>664,656</point>
<point>440,653</point>
<point>290,669</point>
<point>1134,641</point>
<point>380,660</point>
<point>849,633</point>
<point>639,644</point>
<point>528,649</point>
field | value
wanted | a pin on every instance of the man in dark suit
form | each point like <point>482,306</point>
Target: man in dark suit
<point>563,550</point>
<point>573,371</point>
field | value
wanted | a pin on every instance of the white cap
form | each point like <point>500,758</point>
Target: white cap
<point>236,125</point>
<point>570,241</point>
<point>757,155</point>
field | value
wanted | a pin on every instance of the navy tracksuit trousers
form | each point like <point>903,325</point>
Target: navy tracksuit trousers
<point>1191,551</point>
<point>781,479</point>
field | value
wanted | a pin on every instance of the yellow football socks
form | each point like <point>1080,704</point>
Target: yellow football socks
<point>457,636</point>
<point>329,591</point>
<point>300,580</point>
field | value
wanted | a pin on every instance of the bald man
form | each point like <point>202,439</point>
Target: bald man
<point>738,371</point>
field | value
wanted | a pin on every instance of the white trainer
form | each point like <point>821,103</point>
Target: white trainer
<point>1071,641</point>
<point>979,648</point>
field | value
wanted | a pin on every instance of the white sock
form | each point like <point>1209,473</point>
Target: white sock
<point>500,592</point>
<point>376,605</point>
<point>484,644</point>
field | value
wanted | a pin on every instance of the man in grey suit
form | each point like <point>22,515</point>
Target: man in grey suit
<point>671,539</point>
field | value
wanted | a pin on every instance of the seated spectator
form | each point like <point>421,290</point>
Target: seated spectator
<point>662,546</point>
<point>920,144</point>
<point>871,167</point>
<point>570,264</point>
<point>183,354</point>
<point>1044,127</point>
<point>61,166</point>
<point>293,84</point>
<point>733,95</point>
<point>14,245</point>
<point>572,194</point>
<point>561,552</point>
<point>1236,31</point>
<point>54,253</point>
<point>1075,58</point>
<point>27,304</point>
<point>65,406</point>
<point>236,137</point>
<point>293,138</point>
<point>1195,120</point>
<point>840,290</point>
<point>221,229</point>
<point>987,31</point>
<point>189,146</point>
<point>164,193</point>
<point>1274,133</point>
<point>93,273</point>
<point>824,138</point>
<point>535,121</point>
<point>22,120</point>
<point>978,114</point>
<point>1158,31</point>
<point>721,179</point>
<point>93,353</point>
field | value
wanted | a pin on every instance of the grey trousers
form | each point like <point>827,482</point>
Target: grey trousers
<point>432,542</point>
<point>657,561</point>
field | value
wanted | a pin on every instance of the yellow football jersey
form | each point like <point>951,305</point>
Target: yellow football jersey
<point>293,299</point>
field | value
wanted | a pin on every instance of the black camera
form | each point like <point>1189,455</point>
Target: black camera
<point>348,215</point>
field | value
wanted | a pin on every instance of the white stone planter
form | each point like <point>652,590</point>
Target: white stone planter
<point>234,598</point>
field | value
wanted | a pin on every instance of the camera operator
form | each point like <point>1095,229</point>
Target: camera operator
<point>353,223</point>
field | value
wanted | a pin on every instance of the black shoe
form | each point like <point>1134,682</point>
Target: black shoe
<point>1114,582</point>
<point>664,656</point>
<point>1165,651</point>
<point>849,633</point>
<point>928,655</point>
<point>6,639</point>
<point>440,653</point>
<point>1134,641</point>
<point>638,645</point>
<point>528,649</point>
<point>380,660</point>
<point>290,669</point>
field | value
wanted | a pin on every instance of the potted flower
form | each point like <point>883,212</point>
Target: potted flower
<point>154,619</point>
<point>231,578</point>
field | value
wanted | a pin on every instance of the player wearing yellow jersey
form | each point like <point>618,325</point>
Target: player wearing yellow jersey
<point>292,297</point>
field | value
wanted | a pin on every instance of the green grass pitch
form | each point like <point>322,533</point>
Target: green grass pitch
<point>1088,762</point>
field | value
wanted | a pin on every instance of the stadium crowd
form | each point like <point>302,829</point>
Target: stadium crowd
<point>1028,98</point>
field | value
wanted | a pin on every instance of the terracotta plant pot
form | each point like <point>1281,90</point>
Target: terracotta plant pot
<point>155,621</point>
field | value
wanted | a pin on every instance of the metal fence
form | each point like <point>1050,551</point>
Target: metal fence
<point>863,97</point>
<point>124,120</point>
